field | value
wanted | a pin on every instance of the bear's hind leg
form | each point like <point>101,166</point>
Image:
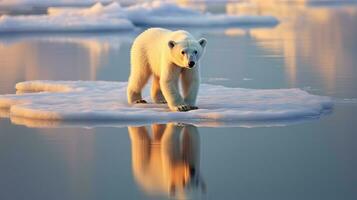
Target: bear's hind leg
<point>156,93</point>
<point>136,83</point>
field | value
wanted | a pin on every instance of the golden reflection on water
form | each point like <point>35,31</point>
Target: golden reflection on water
<point>96,50</point>
<point>192,3</point>
<point>316,34</point>
<point>38,58</point>
<point>168,162</point>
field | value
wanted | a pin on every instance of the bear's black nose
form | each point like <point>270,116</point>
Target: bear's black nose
<point>191,64</point>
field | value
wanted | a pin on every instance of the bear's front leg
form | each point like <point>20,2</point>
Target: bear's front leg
<point>190,85</point>
<point>170,90</point>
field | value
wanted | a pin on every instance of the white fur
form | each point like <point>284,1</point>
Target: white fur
<point>158,52</point>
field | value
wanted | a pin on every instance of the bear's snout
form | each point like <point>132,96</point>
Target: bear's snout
<point>191,64</point>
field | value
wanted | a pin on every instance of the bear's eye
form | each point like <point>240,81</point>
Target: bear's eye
<point>195,52</point>
<point>182,52</point>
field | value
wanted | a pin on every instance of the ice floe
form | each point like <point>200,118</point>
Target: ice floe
<point>158,13</point>
<point>54,102</point>
<point>55,22</point>
<point>114,17</point>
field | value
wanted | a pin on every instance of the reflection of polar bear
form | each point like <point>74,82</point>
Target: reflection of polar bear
<point>169,161</point>
<point>168,55</point>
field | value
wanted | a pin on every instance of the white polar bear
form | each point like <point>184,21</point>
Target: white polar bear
<point>167,55</point>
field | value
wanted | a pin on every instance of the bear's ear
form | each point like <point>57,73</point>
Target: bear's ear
<point>171,44</point>
<point>202,42</point>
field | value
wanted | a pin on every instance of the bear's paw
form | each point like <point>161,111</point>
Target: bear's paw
<point>193,107</point>
<point>182,108</point>
<point>141,101</point>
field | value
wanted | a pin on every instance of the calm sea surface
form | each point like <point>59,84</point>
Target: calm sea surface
<point>313,48</point>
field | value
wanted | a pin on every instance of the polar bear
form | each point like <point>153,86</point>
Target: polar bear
<point>168,56</point>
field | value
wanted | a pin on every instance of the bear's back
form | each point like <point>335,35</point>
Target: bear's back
<point>157,38</point>
<point>152,37</point>
<point>151,46</point>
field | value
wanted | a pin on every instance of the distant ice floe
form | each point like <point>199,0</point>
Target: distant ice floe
<point>160,13</point>
<point>91,19</point>
<point>114,17</point>
<point>79,102</point>
<point>50,23</point>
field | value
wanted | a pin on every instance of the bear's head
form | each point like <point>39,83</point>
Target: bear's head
<point>186,53</point>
